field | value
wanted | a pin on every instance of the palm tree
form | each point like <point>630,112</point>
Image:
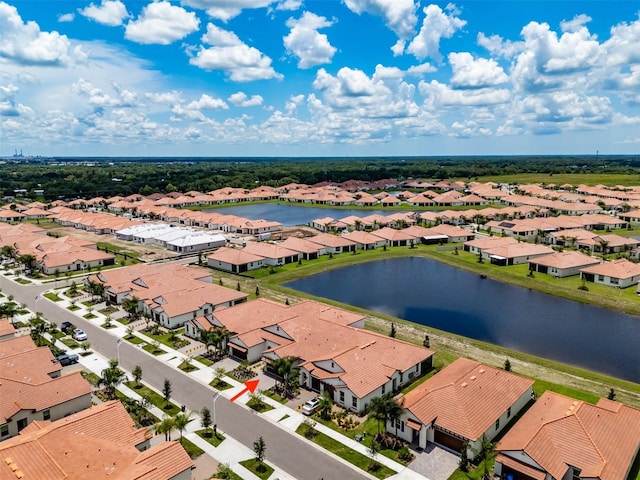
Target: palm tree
<point>377,411</point>
<point>386,409</point>
<point>111,377</point>
<point>286,369</point>
<point>130,305</point>
<point>137,374</point>
<point>166,426</point>
<point>181,420</point>
<point>325,406</point>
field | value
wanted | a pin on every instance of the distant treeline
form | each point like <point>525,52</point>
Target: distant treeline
<point>69,178</point>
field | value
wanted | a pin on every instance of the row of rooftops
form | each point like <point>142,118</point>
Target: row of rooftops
<point>79,441</point>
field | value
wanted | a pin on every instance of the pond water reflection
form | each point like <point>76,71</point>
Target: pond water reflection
<point>438,295</point>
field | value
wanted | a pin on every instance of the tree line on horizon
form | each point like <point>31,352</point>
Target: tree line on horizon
<point>71,178</point>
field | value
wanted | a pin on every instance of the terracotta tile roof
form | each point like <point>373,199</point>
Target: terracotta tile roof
<point>621,268</point>
<point>35,364</point>
<point>97,443</point>
<point>6,328</point>
<point>521,249</point>
<point>328,240</point>
<point>269,250</point>
<point>29,394</point>
<point>234,256</point>
<point>363,238</point>
<point>393,235</point>
<point>566,259</point>
<point>601,440</point>
<point>466,397</point>
<point>15,345</point>
<point>301,245</point>
<point>490,242</point>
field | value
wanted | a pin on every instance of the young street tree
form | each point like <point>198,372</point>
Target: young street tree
<point>111,377</point>
<point>205,419</point>
<point>137,374</point>
<point>166,391</point>
<point>259,448</point>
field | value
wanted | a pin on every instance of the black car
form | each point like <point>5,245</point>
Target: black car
<point>67,359</point>
<point>66,327</point>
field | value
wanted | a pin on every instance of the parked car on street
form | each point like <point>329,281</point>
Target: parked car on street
<point>67,359</point>
<point>66,327</point>
<point>79,335</point>
<point>310,407</point>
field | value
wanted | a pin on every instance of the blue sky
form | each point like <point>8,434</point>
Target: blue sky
<point>319,77</point>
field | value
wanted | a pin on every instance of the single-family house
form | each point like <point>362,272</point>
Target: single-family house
<point>333,243</point>
<point>100,442</point>
<point>609,243</point>
<point>395,238</point>
<point>564,438</point>
<point>365,240</point>
<point>307,250</point>
<point>619,273</point>
<point>461,404</point>
<point>273,253</point>
<point>32,387</point>
<point>480,244</point>
<point>234,260</point>
<point>446,234</point>
<point>562,264</point>
<point>515,253</point>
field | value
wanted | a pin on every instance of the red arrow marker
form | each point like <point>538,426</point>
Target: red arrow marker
<point>249,386</point>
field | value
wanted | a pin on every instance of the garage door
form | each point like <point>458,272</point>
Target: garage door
<point>448,441</point>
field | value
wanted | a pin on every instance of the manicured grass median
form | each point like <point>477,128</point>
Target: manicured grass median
<point>155,398</point>
<point>208,435</point>
<point>192,449</point>
<point>356,458</point>
<point>262,470</point>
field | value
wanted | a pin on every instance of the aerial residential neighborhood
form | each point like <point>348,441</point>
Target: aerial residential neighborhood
<point>329,351</point>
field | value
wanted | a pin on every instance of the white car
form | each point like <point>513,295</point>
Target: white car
<point>310,407</point>
<point>78,334</point>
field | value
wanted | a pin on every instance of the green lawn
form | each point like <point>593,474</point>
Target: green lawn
<point>192,449</point>
<point>475,474</point>
<point>52,296</point>
<point>73,308</point>
<point>91,377</point>
<point>171,340</point>
<point>70,342</point>
<point>208,435</point>
<point>540,386</point>
<point>89,316</point>
<point>187,367</point>
<point>204,361</point>
<point>258,406</point>
<point>356,458</point>
<point>154,397</point>
<point>152,349</point>
<point>133,339</point>
<point>262,470</point>
<point>219,384</point>
<point>274,396</point>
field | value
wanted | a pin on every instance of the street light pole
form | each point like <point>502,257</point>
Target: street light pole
<point>215,397</point>
<point>118,342</point>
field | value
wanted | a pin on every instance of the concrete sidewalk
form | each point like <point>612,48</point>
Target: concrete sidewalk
<point>230,451</point>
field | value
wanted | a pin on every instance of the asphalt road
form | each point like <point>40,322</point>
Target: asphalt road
<point>292,454</point>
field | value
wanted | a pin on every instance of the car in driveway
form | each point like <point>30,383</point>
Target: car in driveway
<point>66,327</point>
<point>67,359</point>
<point>79,335</point>
<point>310,407</point>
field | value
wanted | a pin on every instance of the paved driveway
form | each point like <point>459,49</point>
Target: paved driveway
<point>435,463</point>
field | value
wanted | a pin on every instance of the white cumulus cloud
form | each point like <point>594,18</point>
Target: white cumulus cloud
<point>475,73</point>
<point>161,23</point>
<point>436,25</point>
<point>66,17</point>
<point>227,9</point>
<point>24,43</point>
<point>240,99</point>
<point>109,12</point>
<point>228,53</point>
<point>306,43</point>
<point>400,15</point>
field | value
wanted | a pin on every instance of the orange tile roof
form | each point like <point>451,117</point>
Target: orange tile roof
<point>566,259</point>
<point>6,328</point>
<point>466,397</point>
<point>29,394</point>
<point>601,440</point>
<point>97,443</point>
<point>234,256</point>
<point>621,268</point>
